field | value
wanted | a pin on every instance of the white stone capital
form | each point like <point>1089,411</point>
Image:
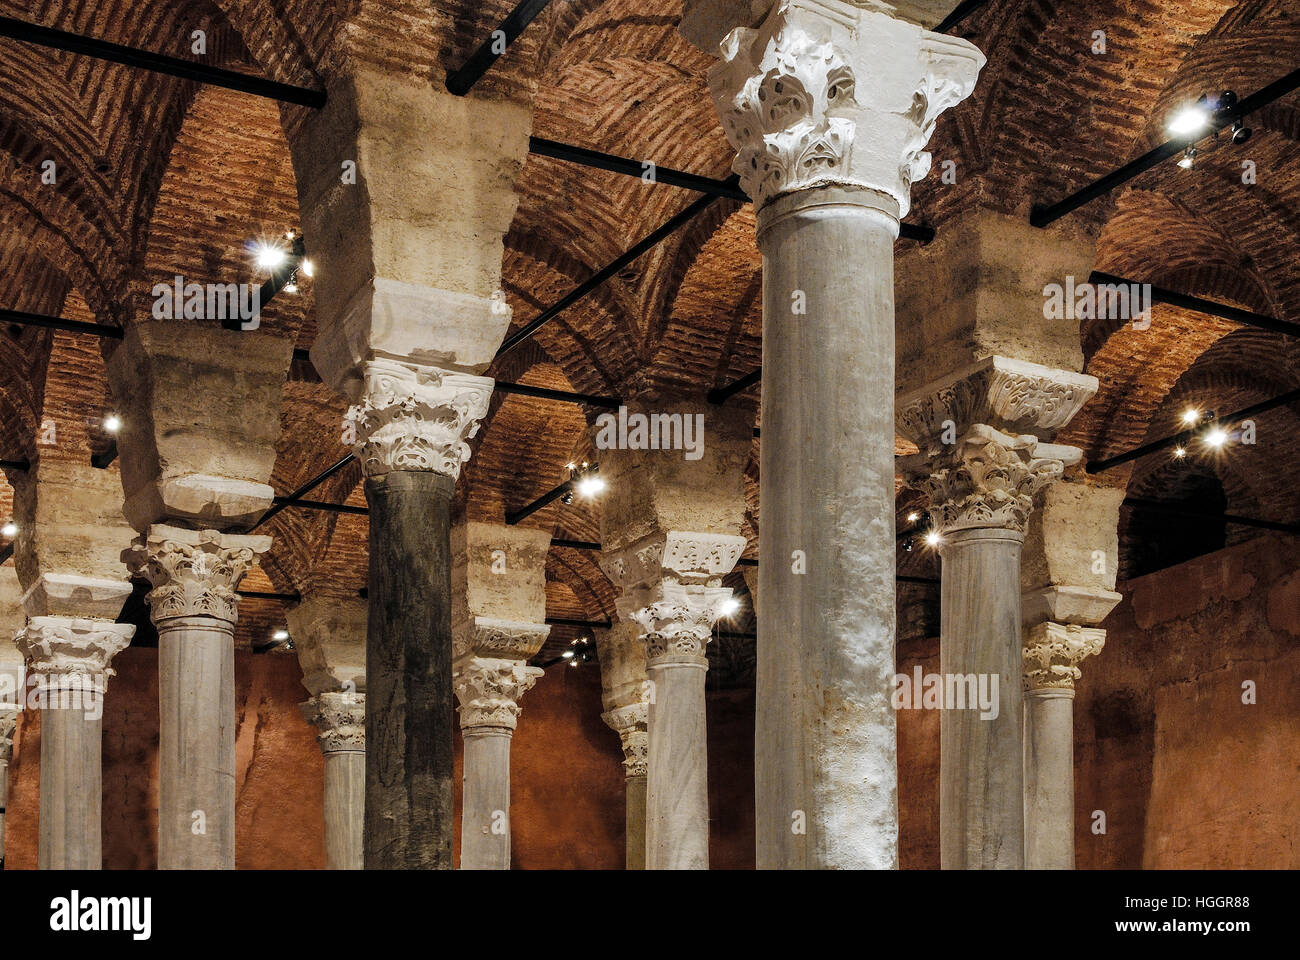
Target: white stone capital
<point>498,639</point>
<point>68,594</point>
<point>631,723</point>
<point>826,92</point>
<point>340,719</point>
<point>416,417</point>
<point>1053,651</point>
<point>681,555</point>
<point>676,620</point>
<point>194,573</point>
<point>489,690</point>
<point>70,652</point>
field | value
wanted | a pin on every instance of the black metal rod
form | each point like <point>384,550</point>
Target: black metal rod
<point>16,464</point>
<point>524,390</point>
<point>1041,216</point>
<point>321,505</point>
<point>461,82</point>
<point>5,553</point>
<point>902,579</point>
<point>747,562</point>
<point>575,544</point>
<point>960,13</point>
<point>635,168</point>
<point>1185,436</point>
<point>281,502</point>
<point>1155,506</point>
<point>159,63</point>
<point>544,500</point>
<point>256,595</point>
<point>1210,307</point>
<point>588,624</point>
<point>723,394</point>
<point>24,319</point>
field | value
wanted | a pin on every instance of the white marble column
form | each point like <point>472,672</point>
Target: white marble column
<point>8,721</point>
<point>489,689</point>
<point>194,605</point>
<point>631,723</point>
<point>68,670</point>
<point>829,106</point>
<point>340,719</point>
<point>1052,652</point>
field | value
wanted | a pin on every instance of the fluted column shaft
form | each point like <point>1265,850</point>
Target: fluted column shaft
<point>341,720</point>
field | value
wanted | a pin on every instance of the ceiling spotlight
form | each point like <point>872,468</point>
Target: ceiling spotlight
<point>567,654</point>
<point>913,517</point>
<point>933,539</point>
<point>269,257</point>
<point>1190,119</point>
<point>291,286</point>
<point>1191,416</point>
<point>280,636</point>
<point>307,269</point>
<point>1189,159</point>
<point>590,485</point>
<point>1216,438</point>
<point>112,423</point>
<point>728,606</point>
<point>10,529</point>
<point>1179,453</point>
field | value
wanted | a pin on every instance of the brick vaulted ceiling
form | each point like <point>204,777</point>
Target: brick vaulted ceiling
<point>158,176</point>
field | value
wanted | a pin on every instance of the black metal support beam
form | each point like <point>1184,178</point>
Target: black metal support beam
<point>723,394</point>
<point>959,13</point>
<point>1041,216</point>
<point>565,396</point>
<point>575,544</point>
<point>544,500</point>
<point>1209,307</point>
<point>159,63</point>
<point>582,624</point>
<point>23,465</point>
<point>102,461</point>
<point>255,595</point>
<point>276,282</point>
<point>460,82</point>
<point>1155,506</point>
<point>293,498</point>
<point>1186,436</point>
<point>321,505</point>
<point>23,319</point>
<point>5,553</point>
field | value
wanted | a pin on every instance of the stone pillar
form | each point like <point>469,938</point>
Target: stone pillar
<point>981,482</point>
<point>12,621</point>
<point>329,634</point>
<point>68,668</point>
<point>193,603</point>
<point>489,689</point>
<point>8,721</point>
<point>341,720</point>
<point>1068,577</point>
<point>625,694</point>
<point>798,81</point>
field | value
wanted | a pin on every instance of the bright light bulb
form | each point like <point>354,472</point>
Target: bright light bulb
<point>307,269</point>
<point>913,517</point>
<point>280,635</point>
<point>291,287</point>
<point>10,529</point>
<point>112,423</point>
<point>1216,438</point>
<point>567,654</point>
<point>728,606</point>
<point>933,539</point>
<point>1188,161</point>
<point>590,486</point>
<point>1179,452</point>
<point>1191,416</point>
<point>1187,121</point>
<point>268,257</point>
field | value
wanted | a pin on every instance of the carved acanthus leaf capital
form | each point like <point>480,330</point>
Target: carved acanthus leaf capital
<point>987,479</point>
<point>489,690</point>
<point>8,723</point>
<point>194,573</point>
<point>826,92</point>
<point>340,719</point>
<point>65,652</point>
<point>416,417</point>
<point>1053,651</point>
<point>631,723</point>
<point>498,639</point>
<point>681,555</point>
<point>677,621</point>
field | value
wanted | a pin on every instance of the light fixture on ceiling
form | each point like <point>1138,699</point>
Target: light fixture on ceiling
<point>269,256</point>
<point>112,423</point>
<point>307,269</point>
<point>913,517</point>
<point>1190,119</point>
<point>729,606</point>
<point>933,539</point>
<point>1216,437</point>
<point>585,480</point>
<point>1191,415</point>
<point>1189,158</point>
<point>280,636</point>
<point>10,529</point>
<point>1179,453</point>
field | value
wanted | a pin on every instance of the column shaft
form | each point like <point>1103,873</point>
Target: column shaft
<point>409,724</point>
<point>677,784</point>
<point>485,810</point>
<point>196,744</point>
<point>825,756</point>
<point>981,799</point>
<point>635,822</point>
<point>71,785</point>
<point>1049,779</point>
<point>345,798</point>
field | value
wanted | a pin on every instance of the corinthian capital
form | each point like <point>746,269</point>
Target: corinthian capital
<point>8,721</point>
<point>678,623</point>
<point>340,719</point>
<point>1052,652</point>
<point>489,690</point>
<point>987,479</point>
<point>194,573</point>
<point>631,723</point>
<point>794,92</point>
<point>416,417</point>
<point>65,652</point>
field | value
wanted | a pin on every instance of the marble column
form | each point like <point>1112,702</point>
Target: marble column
<point>631,723</point>
<point>1051,654</point>
<point>340,719</point>
<point>193,603</point>
<point>795,88</point>
<point>8,721</point>
<point>489,689</point>
<point>68,670</point>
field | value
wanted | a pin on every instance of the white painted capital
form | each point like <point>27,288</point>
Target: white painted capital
<point>416,417</point>
<point>498,639</point>
<point>194,573</point>
<point>489,690</point>
<point>65,653</point>
<point>1053,651</point>
<point>1012,396</point>
<point>677,621</point>
<point>987,479</point>
<point>340,719</point>
<point>631,723</point>
<point>826,92</point>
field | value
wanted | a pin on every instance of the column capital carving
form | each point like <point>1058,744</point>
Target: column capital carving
<point>1053,651</point>
<point>677,621</point>
<point>498,639</point>
<point>416,417</point>
<point>1013,396</point>
<point>340,719</point>
<point>8,722</point>
<point>66,652</point>
<point>194,573</point>
<point>631,723</point>
<point>489,689</point>
<point>680,555</point>
<point>794,91</point>
<point>987,479</point>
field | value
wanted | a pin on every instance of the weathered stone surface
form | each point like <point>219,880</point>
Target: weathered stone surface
<point>329,634</point>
